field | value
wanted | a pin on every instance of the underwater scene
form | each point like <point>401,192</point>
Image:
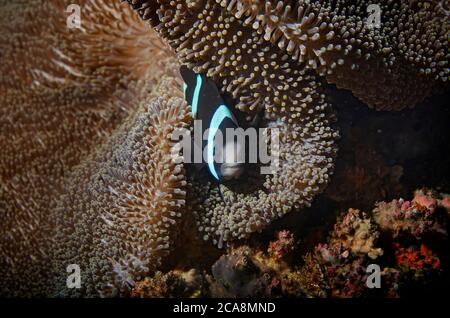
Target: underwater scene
<point>224,149</point>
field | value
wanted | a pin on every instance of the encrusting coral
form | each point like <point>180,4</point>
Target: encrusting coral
<point>282,246</point>
<point>419,217</point>
<point>341,262</point>
<point>175,283</point>
<point>242,274</point>
<point>337,268</point>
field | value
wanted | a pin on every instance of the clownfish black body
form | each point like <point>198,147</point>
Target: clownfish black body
<point>208,106</point>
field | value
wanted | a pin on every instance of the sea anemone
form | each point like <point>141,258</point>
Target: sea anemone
<point>85,169</point>
<point>390,65</point>
<point>87,175</point>
<point>257,76</point>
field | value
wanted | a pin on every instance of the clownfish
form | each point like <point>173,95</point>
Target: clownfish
<point>208,106</point>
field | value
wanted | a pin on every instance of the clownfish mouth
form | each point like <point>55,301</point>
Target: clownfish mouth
<point>230,171</point>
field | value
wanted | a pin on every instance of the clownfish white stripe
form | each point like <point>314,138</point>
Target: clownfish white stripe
<point>198,87</point>
<point>221,113</point>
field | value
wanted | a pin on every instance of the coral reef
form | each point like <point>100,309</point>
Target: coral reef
<point>342,266</point>
<point>87,175</point>
<point>418,260</point>
<point>175,283</point>
<point>339,268</point>
<point>282,246</point>
<point>419,217</point>
<point>241,274</point>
